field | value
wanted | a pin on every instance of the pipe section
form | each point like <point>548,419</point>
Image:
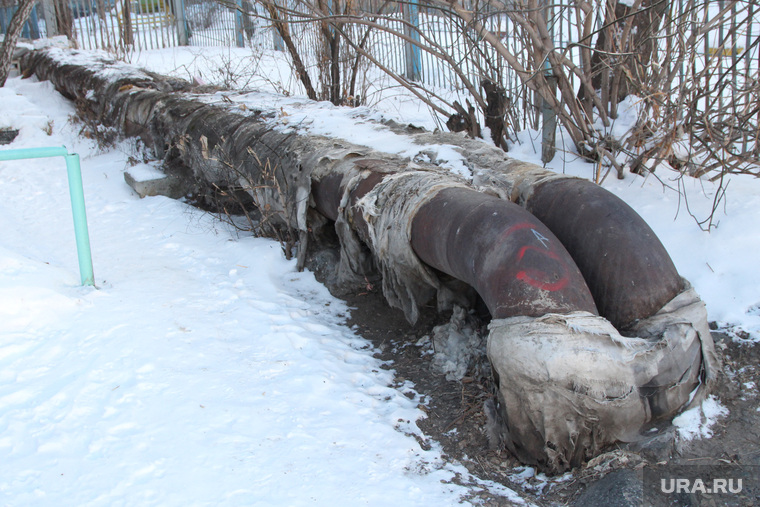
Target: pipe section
<point>623,262</point>
<point>514,261</point>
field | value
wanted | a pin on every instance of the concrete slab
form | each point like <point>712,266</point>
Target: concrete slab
<point>148,181</point>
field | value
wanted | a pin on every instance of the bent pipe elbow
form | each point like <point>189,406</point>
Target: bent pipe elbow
<point>513,261</point>
<point>626,267</point>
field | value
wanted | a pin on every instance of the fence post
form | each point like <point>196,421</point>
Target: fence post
<point>48,12</point>
<point>179,18</point>
<point>549,116</point>
<point>411,50</point>
<point>279,44</point>
<point>239,39</point>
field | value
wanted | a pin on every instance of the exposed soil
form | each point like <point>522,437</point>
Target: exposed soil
<point>457,420</point>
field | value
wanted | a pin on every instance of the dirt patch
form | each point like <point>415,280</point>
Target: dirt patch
<point>736,439</point>
<point>457,418</point>
<point>454,409</point>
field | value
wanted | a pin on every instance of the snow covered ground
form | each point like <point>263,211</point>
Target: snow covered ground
<point>204,370</point>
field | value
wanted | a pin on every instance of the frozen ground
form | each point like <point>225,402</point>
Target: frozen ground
<point>204,370</point>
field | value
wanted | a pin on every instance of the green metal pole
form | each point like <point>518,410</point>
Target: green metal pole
<point>77,200</point>
<point>24,153</point>
<point>80,219</point>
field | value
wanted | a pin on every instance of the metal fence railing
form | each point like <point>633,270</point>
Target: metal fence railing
<point>32,28</point>
<point>428,44</point>
<point>113,24</point>
<point>155,24</point>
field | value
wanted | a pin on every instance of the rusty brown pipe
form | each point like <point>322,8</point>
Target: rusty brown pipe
<point>328,192</point>
<point>627,269</point>
<point>513,261</point>
<point>623,262</point>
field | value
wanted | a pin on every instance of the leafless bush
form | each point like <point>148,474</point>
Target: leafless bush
<point>700,115</point>
<point>249,194</point>
<point>682,61</point>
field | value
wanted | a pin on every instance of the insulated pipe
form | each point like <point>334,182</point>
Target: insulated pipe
<point>571,385</point>
<point>513,261</point>
<point>623,262</point>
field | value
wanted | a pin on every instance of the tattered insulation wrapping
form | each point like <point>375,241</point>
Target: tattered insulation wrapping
<point>388,209</point>
<point>570,385</point>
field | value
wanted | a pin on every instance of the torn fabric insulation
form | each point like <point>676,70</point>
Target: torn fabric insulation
<point>389,209</point>
<point>570,384</point>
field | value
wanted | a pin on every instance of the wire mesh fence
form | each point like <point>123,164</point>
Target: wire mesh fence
<point>112,24</point>
<point>210,23</point>
<point>700,54</point>
<point>153,24</point>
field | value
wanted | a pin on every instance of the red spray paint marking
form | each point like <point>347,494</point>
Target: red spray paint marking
<point>531,276</point>
<point>534,277</point>
<point>517,227</point>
